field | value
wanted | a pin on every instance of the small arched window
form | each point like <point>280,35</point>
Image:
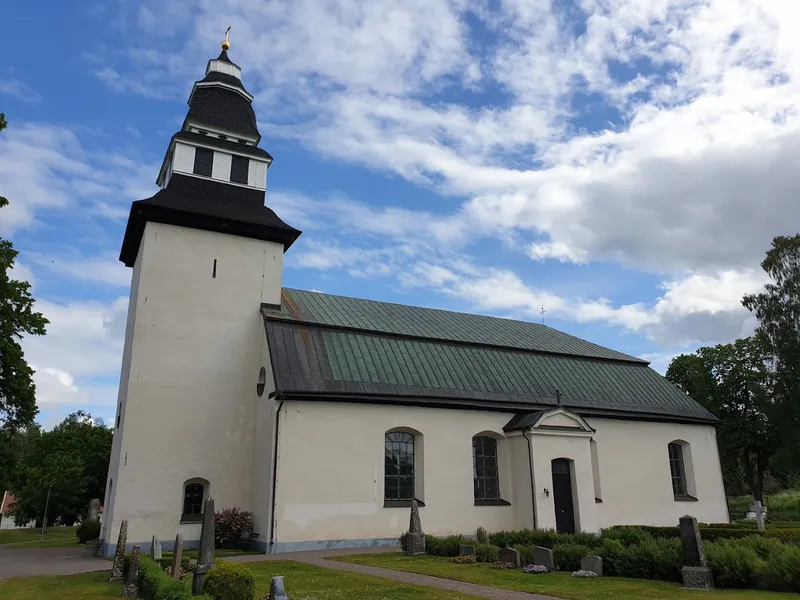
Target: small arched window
<point>677,469</point>
<point>399,466</point>
<point>485,477</point>
<point>193,495</point>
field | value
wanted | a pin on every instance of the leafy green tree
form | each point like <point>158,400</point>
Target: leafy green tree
<point>777,309</point>
<point>17,317</point>
<point>77,451</point>
<point>734,382</point>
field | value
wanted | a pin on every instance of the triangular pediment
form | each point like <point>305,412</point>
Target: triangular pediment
<point>561,419</point>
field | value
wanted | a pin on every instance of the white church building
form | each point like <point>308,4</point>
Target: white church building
<point>326,415</point>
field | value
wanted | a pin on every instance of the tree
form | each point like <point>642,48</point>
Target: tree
<point>77,451</point>
<point>735,383</point>
<point>777,309</point>
<point>17,317</point>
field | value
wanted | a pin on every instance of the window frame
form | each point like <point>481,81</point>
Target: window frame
<point>235,158</point>
<point>203,152</point>
<point>677,470</point>
<point>192,517</point>
<point>396,443</point>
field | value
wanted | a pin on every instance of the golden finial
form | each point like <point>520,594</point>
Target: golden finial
<point>226,43</point>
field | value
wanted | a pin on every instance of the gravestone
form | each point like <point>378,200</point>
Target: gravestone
<point>119,557</point>
<point>94,510</point>
<point>758,512</point>
<point>177,556</point>
<point>509,555</point>
<point>205,556</point>
<point>130,588</point>
<point>101,542</point>
<point>415,541</point>
<point>276,589</point>
<point>544,556</point>
<point>593,564</point>
<point>155,548</point>
<point>466,550</point>
<point>696,574</point>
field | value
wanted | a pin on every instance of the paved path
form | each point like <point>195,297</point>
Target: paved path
<point>318,558</point>
<point>16,562</point>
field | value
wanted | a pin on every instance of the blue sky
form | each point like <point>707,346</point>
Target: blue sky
<point>623,163</point>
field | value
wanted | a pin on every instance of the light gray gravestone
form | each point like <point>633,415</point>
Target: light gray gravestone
<point>544,556</point>
<point>593,564</point>
<point>415,542</point>
<point>177,556</point>
<point>155,548</point>
<point>119,557</point>
<point>759,512</point>
<point>130,589</point>
<point>94,510</point>
<point>205,556</point>
<point>276,589</point>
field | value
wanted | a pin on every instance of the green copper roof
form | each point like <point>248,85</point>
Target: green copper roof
<point>430,323</point>
<point>330,346</point>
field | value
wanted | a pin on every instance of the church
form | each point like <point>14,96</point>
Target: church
<point>325,416</point>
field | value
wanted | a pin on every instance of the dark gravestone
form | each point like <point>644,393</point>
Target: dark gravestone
<point>119,557</point>
<point>276,589</point>
<point>415,540</point>
<point>130,589</point>
<point>511,556</point>
<point>205,556</point>
<point>466,550</point>
<point>177,556</point>
<point>696,574</point>
<point>593,564</point>
<point>544,556</point>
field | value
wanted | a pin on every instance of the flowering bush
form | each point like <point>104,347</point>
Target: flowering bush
<point>229,525</point>
<point>535,569</point>
<point>466,559</point>
<point>503,565</point>
<point>583,573</point>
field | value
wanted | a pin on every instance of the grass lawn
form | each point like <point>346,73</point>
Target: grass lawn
<point>32,538</point>
<point>303,582</point>
<point>560,585</point>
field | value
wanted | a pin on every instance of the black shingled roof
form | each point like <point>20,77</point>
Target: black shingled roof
<point>209,205</point>
<point>223,108</point>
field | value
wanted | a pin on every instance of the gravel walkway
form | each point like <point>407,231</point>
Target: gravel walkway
<point>318,558</point>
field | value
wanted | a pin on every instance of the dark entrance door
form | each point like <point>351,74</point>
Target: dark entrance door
<point>562,496</point>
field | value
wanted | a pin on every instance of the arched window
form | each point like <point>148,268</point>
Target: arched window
<point>399,466</point>
<point>193,497</point>
<point>485,477</point>
<point>677,469</point>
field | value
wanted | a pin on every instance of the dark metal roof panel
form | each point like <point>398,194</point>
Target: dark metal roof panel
<point>359,363</point>
<point>398,319</point>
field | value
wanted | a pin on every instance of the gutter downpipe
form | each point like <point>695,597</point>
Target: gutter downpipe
<point>280,397</point>
<point>533,487</point>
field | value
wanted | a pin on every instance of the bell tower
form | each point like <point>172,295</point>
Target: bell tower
<point>206,252</point>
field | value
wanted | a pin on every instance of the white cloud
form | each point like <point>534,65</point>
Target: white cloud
<point>73,265</point>
<point>19,90</point>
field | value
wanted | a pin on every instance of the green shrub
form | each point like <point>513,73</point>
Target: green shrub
<point>229,526</point>
<point>525,554</point>
<point>733,564</point>
<point>404,541</point>
<point>486,553</point>
<point>230,581</point>
<point>154,584</point>
<point>782,571</point>
<point>590,540</point>
<point>481,536</point>
<point>88,530</point>
<point>659,559</point>
<point>166,563</point>
<point>611,552</point>
<point>627,535</point>
<point>527,537</point>
<point>568,556</point>
<point>448,546</point>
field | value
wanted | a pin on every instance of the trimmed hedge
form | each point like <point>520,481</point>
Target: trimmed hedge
<point>568,556</point>
<point>709,534</point>
<point>88,530</point>
<point>230,581</point>
<point>154,584</point>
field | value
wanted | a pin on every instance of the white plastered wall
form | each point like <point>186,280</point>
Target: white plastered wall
<point>190,368</point>
<point>635,474</point>
<point>331,471</point>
